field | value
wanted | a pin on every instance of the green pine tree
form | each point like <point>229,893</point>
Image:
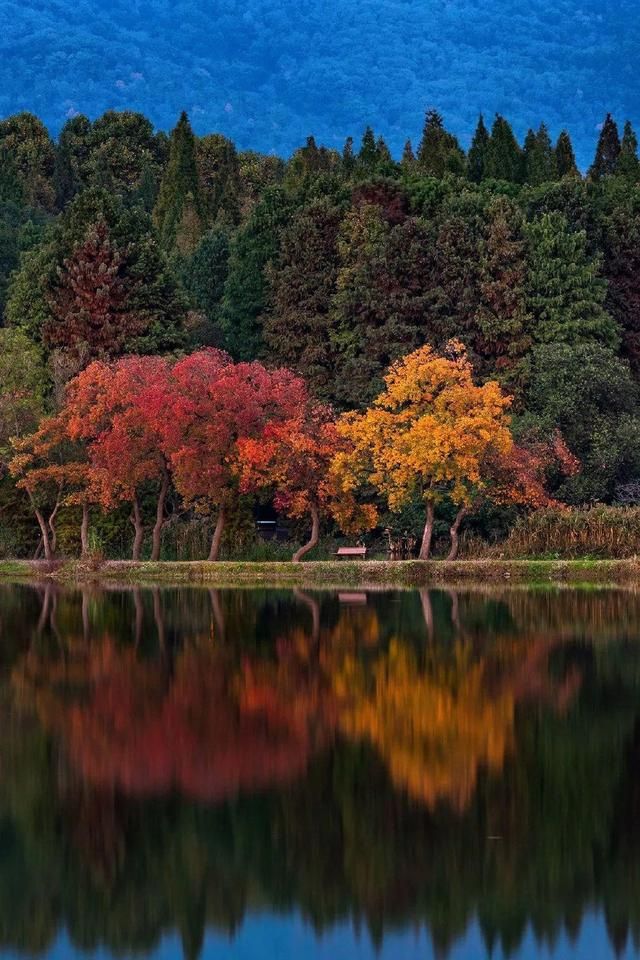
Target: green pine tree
<point>628,164</point>
<point>368,156</point>
<point>539,157</point>
<point>565,289</point>
<point>503,156</point>
<point>408,161</point>
<point>605,163</point>
<point>439,151</point>
<point>245,290</point>
<point>348,158</point>
<point>477,156</point>
<point>565,157</point>
<point>178,211</point>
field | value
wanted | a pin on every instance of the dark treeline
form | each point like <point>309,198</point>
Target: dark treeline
<point>117,239</point>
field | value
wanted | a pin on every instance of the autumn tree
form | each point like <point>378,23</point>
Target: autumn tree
<point>92,305</point>
<point>118,409</point>
<point>215,404</point>
<point>296,459</point>
<point>53,471</point>
<point>426,435</point>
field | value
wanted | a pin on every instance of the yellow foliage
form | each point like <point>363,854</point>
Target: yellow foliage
<point>434,736</point>
<point>428,432</point>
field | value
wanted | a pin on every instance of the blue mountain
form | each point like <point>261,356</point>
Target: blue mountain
<point>270,72</point>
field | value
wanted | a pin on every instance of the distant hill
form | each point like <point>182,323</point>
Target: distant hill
<point>269,72</point>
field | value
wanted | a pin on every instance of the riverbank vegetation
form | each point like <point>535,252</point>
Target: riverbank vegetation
<point>427,350</point>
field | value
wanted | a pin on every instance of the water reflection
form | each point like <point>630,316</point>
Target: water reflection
<point>432,769</point>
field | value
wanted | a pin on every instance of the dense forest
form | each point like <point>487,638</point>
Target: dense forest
<point>139,272</point>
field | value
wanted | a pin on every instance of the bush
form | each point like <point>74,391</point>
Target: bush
<point>599,531</point>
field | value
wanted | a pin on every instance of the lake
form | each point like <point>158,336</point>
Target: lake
<point>304,774</point>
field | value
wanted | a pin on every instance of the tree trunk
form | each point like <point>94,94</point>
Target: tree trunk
<point>159,620</point>
<point>136,520</point>
<point>46,542</point>
<point>84,530</point>
<point>218,614</point>
<point>159,524</point>
<point>425,548</point>
<point>216,540</point>
<point>455,531</point>
<point>85,616</point>
<point>315,536</point>
<point>139,608</point>
<point>52,526</point>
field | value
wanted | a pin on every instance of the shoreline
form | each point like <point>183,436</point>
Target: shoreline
<point>331,573</point>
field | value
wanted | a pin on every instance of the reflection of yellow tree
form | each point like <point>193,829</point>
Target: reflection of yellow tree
<point>433,732</point>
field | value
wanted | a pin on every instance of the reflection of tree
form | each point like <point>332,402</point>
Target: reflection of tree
<point>358,776</point>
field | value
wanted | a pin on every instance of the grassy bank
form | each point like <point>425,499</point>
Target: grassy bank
<point>410,573</point>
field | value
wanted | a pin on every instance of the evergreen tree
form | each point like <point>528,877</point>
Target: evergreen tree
<point>628,164</point>
<point>477,157</point>
<point>605,163</point>
<point>348,158</point>
<point>501,335</point>
<point>565,157</point>
<point>302,282</point>
<point>218,180</point>
<point>565,290</point>
<point>253,248</point>
<point>439,151</point>
<point>203,276</point>
<point>384,154</point>
<point>408,161</point>
<point>378,311</point>
<point>621,236</point>
<point>503,155</point>
<point>539,157</point>
<point>368,156</point>
<point>178,211</point>
<point>71,157</point>
<point>26,140</point>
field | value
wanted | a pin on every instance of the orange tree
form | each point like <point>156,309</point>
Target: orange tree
<point>212,405</point>
<point>53,471</point>
<point>296,458</point>
<point>118,409</point>
<point>427,434</point>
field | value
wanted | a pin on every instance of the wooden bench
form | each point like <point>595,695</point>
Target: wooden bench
<point>351,552</point>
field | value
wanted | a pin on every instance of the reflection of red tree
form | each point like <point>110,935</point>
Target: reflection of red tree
<point>136,729</point>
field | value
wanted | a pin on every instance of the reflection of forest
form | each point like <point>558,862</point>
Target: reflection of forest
<point>174,759</point>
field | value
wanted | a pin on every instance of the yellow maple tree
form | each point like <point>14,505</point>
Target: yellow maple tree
<point>427,434</point>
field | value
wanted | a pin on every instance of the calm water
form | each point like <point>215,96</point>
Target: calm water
<point>273,774</point>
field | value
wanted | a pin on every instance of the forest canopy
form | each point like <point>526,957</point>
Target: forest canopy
<point>178,283</point>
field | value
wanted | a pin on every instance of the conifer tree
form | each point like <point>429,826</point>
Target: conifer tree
<point>439,151</point>
<point>504,156</point>
<point>605,163</point>
<point>384,154</point>
<point>628,164</point>
<point>408,161</point>
<point>218,180</point>
<point>565,292</point>
<point>348,158</point>
<point>539,157</point>
<point>565,157</point>
<point>253,247</point>
<point>501,337</point>
<point>368,156</point>
<point>477,156</point>
<point>178,211</point>
<point>302,280</point>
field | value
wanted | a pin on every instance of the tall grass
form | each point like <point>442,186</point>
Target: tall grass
<point>599,531</point>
